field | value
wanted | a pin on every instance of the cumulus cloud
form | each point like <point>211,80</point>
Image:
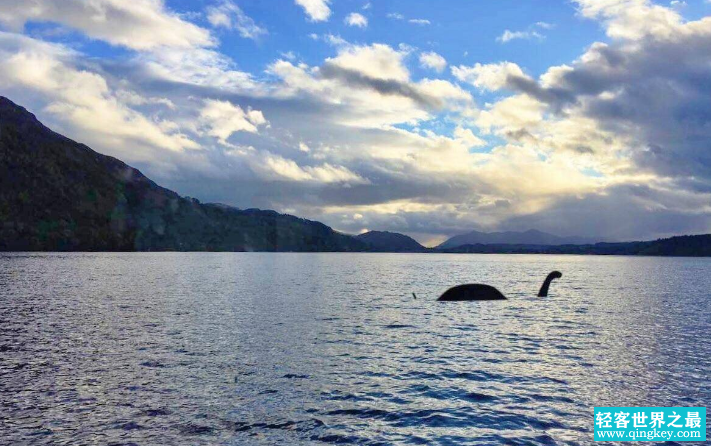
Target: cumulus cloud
<point>222,119</point>
<point>433,61</point>
<point>356,19</point>
<point>136,24</point>
<point>629,111</point>
<point>488,76</point>
<point>509,76</point>
<point>378,61</point>
<point>197,66</point>
<point>633,19</point>
<point>317,10</point>
<point>644,90</point>
<point>372,86</point>
<point>84,99</point>
<point>228,15</point>
<point>468,138</point>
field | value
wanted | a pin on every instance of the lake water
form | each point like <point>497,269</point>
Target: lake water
<point>257,348</point>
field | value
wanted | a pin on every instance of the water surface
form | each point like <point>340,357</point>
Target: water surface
<point>252,348</point>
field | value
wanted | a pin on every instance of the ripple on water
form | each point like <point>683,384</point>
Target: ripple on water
<point>252,349</point>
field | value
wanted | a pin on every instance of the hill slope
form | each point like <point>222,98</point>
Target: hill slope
<point>384,241</point>
<point>530,237</point>
<point>57,195</point>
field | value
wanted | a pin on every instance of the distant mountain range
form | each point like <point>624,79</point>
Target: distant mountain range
<point>384,241</point>
<point>685,245</point>
<point>530,237</point>
<point>59,195</point>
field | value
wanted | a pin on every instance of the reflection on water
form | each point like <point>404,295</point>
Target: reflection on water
<point>207,348</point>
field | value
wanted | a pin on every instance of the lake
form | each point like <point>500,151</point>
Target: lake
<point>264,348</point>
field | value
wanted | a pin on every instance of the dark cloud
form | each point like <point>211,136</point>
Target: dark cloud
<point>657,94</point>
<point>390,87</point>
<point>555,97</point>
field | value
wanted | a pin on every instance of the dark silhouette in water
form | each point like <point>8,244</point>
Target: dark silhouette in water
<point>543,292</point>
<point>472,291</point>
<point>487,292</point>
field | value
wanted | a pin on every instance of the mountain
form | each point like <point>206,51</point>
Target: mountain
<point>530,237</point>
<point>384,241</point>
<point>59,195</point>
<point>685,245</point>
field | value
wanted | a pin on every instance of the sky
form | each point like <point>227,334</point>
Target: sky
<point>575,117</point>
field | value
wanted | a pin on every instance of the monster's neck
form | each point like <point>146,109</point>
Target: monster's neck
<point>543,292</point>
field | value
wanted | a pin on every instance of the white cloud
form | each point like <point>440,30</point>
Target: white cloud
<point>335,40</point>
<point>433,60</point>
<point>356,19</point>
<point>198,66</point>
<point>353,105</point>
<point>468,137</point>
<point>370,86</point>
<point>488,76</point>
<point>289,55</point>
<point>136,24</point>
<point>509,35</point>
<point>533,32</point>
<point>511,114</point>
<point>317,10</point>
<point>84,100</point>
<point>633,19</point>
<point>398,16</point>
<point>222,119</point>
<point>377,61</point>
<point>274,167</point>
<point>228,15</point>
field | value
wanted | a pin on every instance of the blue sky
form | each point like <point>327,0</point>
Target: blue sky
<point>464,31</point>
<point>462,27</point>
<point>581,117</point>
